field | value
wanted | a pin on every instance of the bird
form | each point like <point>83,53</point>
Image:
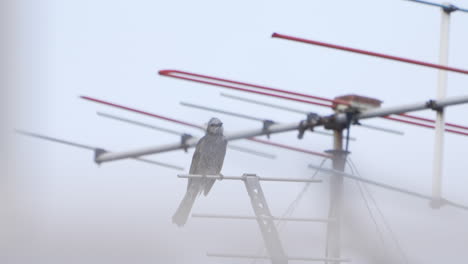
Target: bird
<point>207,159</point>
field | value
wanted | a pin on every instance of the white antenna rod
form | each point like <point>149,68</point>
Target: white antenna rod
<point>440,118</point>
<point>247,117</point>
<point>291,258</point>
<point>388,187</point>
<point>280,128</point>
<point>242,178</point>
<point>243,217</point>
<point>95,149</point>
<point>293,110</point>
<point>446,10</point>
<point>173,132</point>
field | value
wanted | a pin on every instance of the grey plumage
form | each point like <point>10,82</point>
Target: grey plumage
<point>207,159</point>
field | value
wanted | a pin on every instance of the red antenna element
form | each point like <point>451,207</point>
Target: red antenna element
<point>423,125</point>
<point>370,53</point>
<point>238,86</point>
<point>432,121</point>
<point>230,84</point>
<point>201,127</point>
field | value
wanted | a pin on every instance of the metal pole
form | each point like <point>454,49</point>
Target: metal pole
<point>336,198</point>
<point>440,122</point>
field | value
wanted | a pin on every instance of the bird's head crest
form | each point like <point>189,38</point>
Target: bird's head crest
<point>215,126</point>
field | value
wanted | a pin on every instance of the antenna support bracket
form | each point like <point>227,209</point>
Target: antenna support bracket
<point>432,104</point>
<point>312,120</point>
<point>266,125</point>
<point>183,141</point>
<point>98,152</point>
<point>265,220</point>
<point>449,8</point>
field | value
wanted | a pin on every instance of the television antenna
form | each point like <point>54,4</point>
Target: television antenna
<point>338,122</point>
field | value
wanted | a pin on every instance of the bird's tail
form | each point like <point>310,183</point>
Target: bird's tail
<point>181,215</point>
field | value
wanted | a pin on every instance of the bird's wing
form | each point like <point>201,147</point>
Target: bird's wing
<point>221,154</point>
<point>196,158</point>
<point>219,165</point>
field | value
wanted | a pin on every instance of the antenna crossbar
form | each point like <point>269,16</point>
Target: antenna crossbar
<point>173,132</point>
<point>293,110</point>
<point>275,128</point>
<point>220,111</point>
<point>431,104</point>
<point>244,177</point>
<point>244,217</point>
<point>340,118</point>
<point>446,7</point>
<point>292,258</point>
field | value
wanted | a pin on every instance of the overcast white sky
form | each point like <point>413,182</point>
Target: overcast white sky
<point>68,209</point>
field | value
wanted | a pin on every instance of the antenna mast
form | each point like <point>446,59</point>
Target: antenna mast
<point>446,10</point>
